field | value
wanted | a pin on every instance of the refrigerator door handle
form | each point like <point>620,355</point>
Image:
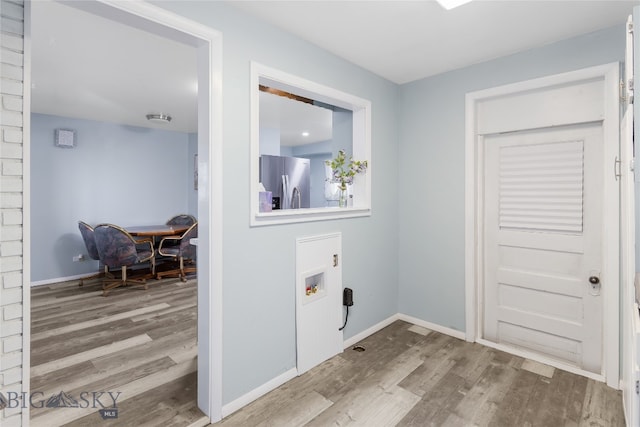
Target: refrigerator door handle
<point>294,193</point>
<point>286,202</point>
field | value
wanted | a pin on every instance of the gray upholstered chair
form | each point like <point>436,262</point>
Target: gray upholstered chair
<point>89,241</point>
<point>180,250</point>
<point>182,219</point>
<point>119,250</point>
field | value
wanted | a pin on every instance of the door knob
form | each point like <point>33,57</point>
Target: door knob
<point>594,282</point>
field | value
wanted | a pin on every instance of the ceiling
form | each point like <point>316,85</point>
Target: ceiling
<point>85,66</point>
<point>293,118</point>
<point>404,41</point>
<point>88,67</point>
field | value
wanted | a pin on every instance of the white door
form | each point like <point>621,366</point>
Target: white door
<point>543,242</point>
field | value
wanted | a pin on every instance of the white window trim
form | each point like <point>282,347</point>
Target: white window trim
<point>261,74</point>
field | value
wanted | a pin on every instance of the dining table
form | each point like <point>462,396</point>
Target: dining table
<point>155,233</point>
<point>160,230</point>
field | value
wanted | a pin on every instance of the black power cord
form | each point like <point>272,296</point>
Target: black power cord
<point>345,319</point>
<point>347,300</point>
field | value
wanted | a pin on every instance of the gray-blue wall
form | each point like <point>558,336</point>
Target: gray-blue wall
<point>120,174</point>
<point>270,141</point>
<point>317,153</point>
<point>259,263</point>
<point>431,167</point>
<point>408,256</point>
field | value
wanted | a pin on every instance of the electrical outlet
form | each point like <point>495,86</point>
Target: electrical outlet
<point>77,258</point>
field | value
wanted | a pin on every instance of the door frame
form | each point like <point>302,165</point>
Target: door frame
<point>208,43</point>
<point>474,239</point>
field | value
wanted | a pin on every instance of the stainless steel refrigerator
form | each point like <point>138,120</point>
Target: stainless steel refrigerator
<point>288,180</point>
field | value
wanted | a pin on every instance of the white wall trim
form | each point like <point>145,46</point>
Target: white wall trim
<point>208,41</point>
<point>260,391</point>
<point>629,310</point>
<point>272,384</point>
<point>59,279</point>
<point>405,317</point>
<point>432,326</point>
<point>292,373</point>
<point>257,392</point>
<point>611,233</point>
<point>473,239</point>
<point>370,331</point>
<point>265,388</point>
<point>204,421</point>
<point>210,209</point>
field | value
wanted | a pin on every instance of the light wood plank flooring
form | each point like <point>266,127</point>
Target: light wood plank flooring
<point>142,344</point>
<point>136,342</point>
<point>410,376</point>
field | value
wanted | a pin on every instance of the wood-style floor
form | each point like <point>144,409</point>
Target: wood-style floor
<point>410,376</point>
<point>139,343</point>
<point>142,344</point>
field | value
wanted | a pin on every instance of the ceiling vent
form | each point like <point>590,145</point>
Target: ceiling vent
<point>159,118</point>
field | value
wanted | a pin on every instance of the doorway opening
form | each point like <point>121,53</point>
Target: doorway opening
<point>207,44</point>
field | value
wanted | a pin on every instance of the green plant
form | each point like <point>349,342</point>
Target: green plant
<point>343,172</point>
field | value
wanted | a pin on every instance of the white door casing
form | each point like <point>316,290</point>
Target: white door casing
<point>579,97</point>
<point>542,242</point>
<point>208,43</point>
<point>630,318</point>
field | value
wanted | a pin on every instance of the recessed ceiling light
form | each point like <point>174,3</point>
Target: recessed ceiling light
<point>305,133</point>
<point>450,4</point>
<point>159,118</point>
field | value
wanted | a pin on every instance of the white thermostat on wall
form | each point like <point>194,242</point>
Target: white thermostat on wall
<point>65,138</point>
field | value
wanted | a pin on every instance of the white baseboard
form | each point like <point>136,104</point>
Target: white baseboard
<point>254,394</point>
<point>372,330</point>
<point>265,388</point>
<point>434,327</point>
<point>204,421</point>
<point>60,279</point>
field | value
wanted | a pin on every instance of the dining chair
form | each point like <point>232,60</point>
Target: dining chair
<point>180,249</point>
<point>182,219</point>
<point>86,231</point>
<point>119,250</point>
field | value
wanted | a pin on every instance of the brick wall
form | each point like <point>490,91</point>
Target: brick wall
<point>11,197</point>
